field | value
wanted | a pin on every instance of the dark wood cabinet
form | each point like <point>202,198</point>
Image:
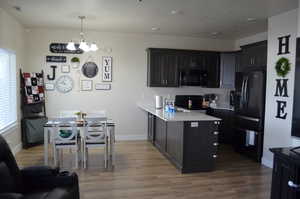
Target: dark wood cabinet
<point>170,67</point>
<point>226,130</point>
<point>162,68</point>
<point>174,142</point>
<point>200,146</point>
<point>151,127</point>
<point>254,55</point>
<point>286,174</point>
<point>190,146</point>
<point>160,134</point>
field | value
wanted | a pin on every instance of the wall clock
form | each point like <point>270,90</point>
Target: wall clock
<point>64,84</point>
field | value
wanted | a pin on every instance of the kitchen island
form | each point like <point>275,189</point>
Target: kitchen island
<point>188,139</point>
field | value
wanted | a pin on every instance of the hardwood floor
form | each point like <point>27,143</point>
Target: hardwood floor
<point>142,172</point>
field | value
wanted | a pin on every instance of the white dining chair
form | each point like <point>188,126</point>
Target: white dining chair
<point>68,113</point>
<point>95,136</point>
<point>96,114</point>
<point>65,137</point>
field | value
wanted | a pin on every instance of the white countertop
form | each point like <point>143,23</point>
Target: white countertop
<point>177,116</point>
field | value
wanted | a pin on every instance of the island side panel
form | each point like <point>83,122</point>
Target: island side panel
<point>174,143</point>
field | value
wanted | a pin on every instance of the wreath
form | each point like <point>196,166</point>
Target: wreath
<point>283,67</point>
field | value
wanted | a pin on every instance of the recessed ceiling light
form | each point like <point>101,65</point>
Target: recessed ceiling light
<point>251,19</point>
<point>215,33</point>
<point>17,8</point>
<point>175,12</point>
<point>155,28</point>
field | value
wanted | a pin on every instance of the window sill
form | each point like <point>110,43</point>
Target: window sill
<point>11,127</point>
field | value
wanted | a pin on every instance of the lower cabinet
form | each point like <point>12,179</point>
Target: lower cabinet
<point>190,146</point>
<point>226,127</point>
<point>151,127</point>
<point>286,175</point>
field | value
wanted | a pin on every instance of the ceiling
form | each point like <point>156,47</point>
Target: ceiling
<point>225,19</point>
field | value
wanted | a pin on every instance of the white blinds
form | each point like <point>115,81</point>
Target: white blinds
<point>8,98</point>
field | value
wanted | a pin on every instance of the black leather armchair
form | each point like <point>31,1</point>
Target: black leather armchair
<point>34,182</point>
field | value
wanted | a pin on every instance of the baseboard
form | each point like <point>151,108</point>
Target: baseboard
<point>17,148</point>
<point>130,137</point>
<point>267,163</point>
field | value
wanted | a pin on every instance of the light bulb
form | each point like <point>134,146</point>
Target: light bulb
<point>71,46</point>
<point>84,46</point>
<point>94,47</point>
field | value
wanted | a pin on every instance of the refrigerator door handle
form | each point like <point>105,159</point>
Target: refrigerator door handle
<point>246,91</point>
<point>242,91</point>
<point>249,118</point>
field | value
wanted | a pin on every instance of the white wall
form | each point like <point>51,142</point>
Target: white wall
<point>129,74</point>
<point>11,37</point>
<point>278,131</point>
<point>251,39</point>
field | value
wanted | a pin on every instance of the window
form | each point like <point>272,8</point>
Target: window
<point>8,91</point>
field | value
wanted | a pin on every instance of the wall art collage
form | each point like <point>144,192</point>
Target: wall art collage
<point>70,70</point>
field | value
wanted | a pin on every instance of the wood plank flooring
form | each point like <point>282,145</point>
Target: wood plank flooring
<point>142,172</point>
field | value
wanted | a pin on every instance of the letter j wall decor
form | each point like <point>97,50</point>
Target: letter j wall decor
<point>106,69</point>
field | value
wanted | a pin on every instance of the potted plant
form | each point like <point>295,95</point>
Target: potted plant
<point>75,62</point>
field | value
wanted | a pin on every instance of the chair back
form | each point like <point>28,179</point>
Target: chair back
<point>96,114</point>
<point>68,113</point>
<point>66,131</point>
<point>95,129</point>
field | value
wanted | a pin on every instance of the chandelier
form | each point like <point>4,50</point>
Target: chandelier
<point>83,45</point>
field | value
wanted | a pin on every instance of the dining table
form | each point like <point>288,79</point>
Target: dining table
<point>49,129</point>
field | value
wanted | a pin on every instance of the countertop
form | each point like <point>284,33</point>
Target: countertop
<point>223,107</point>
<point>177,116</point>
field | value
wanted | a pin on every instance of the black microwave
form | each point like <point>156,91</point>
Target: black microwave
<point>194,77</point>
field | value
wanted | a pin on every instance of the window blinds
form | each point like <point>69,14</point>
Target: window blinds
<point>8,98</point>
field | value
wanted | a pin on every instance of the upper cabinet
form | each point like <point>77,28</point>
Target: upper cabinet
<point>254,55</point>
<point>162,68</point>
<point>174,68</point>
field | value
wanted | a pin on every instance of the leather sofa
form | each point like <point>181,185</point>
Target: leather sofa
<point>38,182</point>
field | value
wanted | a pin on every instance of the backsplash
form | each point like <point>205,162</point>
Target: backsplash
<point>149,95</point>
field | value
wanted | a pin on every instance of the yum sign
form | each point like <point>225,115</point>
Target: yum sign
<point>282,68</point>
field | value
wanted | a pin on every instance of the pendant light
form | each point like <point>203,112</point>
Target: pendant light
<point>83,45</point>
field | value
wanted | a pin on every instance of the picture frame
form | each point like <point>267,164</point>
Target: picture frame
<point>86,85</point>
<point>106,69</point>
<point>49,87</point>
<point>100,86</point>
<point>65,68</point>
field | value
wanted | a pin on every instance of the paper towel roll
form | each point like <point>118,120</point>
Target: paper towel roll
<point>158,102</point>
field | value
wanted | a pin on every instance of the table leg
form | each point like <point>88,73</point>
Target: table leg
<point>46,149</point>
<point>112,143</point>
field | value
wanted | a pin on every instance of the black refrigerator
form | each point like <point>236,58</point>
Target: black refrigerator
<point>250,113</point>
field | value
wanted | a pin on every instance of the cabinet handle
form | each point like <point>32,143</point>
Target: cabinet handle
<point>215,156</point>
<point>216,144</point>
<point>216,122</point>
<point>291,184</point>
<point>166,82</point>
<point>216,133</point>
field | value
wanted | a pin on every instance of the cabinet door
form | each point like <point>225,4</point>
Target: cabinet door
<point>261,55</point>
<point>283,172</point>
<point>160,134</point>
<point>248,57</point>
<point>155,69</point>
<point>162,68</point>
<point>151,127</point>
<point>174,142</point>
<point>171,71</point>
<point>227,70</point>
<point>213,68</point>
<point>238,62</point>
